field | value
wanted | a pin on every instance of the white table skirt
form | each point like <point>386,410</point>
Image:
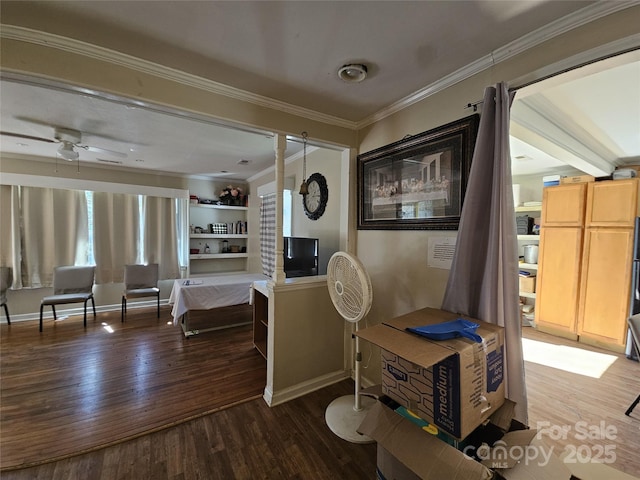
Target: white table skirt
<point>204,293</point>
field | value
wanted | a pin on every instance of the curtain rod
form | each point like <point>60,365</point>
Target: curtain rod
<point>474,105</point>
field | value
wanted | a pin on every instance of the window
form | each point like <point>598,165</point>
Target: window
<point>58,226</point>
<point>286,213</point>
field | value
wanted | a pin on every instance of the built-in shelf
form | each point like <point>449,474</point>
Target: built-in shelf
<point>211,250</point>
<point>527,294</point>
<point>212,256</point>
<point>260,319</point>
<point>528,266</point>
<point>217,235</point>
<point>218,207</point>
<point>537,208</point>
<point>528,237</point>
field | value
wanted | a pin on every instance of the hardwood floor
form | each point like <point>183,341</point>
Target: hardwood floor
<point>253,441</point>
<point>583,416</point>
<point>248,441</point>
<point>69,389</point>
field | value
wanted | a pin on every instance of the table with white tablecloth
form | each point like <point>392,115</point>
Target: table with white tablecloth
<point>205,293</point>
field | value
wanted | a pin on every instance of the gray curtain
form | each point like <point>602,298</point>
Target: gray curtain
<point>161,235</point>
<point>10,247</point>
<point>116,234</point>
<point>54,231</point>
<point>483,282</point>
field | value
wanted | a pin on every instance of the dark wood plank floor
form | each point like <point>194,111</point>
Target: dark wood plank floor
<point>248,441</point>
<point>253,441</point>
<point>71,389</point>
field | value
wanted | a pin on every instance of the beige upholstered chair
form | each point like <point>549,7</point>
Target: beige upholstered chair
<point>5,283</point>
<point>634,327</point>
<point>71,285</point>
<point>140,281</point>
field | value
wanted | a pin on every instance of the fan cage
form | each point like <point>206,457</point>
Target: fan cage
<point>349,286</point>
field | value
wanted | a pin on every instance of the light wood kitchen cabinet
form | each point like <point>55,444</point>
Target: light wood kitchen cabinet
<point>559,281</point>
<point>563,205</point>
<point>584,276</point>
<point>612,204</point>
<point>606,286</point>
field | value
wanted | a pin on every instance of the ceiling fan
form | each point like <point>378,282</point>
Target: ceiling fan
<point>69,140</point>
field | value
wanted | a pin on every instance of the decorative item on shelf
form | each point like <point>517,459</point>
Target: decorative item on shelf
<point>206,248</point>
<point>218,228</point>
<point>231,195</point>
<point>531,254</point>
<point>193,199</point>
<point>225,246</point>
<point>194,251</point>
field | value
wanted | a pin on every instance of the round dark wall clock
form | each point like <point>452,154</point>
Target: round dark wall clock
<point>316,200</point>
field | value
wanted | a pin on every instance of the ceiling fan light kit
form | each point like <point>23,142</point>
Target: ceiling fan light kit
<point>353,72</point>
<point>66,151</point>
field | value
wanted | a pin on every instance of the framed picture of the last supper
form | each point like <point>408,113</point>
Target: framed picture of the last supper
<point>418,182</point>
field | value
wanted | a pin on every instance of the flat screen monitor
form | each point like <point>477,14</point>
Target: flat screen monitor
<point>300,256</point>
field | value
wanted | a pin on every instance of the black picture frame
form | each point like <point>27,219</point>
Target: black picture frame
<point>419,182</point>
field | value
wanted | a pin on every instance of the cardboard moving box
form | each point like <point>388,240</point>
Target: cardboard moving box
<point>406,452</point>
<point>577,179</point>
<point>454,384</point>
<point>528,284</point>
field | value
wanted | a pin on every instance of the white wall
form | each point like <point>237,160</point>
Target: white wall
<point>327,228</point>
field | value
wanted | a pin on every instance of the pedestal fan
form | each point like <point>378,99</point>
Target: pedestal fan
<point>351,293</point>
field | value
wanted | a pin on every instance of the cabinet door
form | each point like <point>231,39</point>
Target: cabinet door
<point>558,280</point>
<point>606,286</point>
<point>612,203</point>
<point>563,205</point>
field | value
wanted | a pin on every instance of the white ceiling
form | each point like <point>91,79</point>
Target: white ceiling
<point>587,119</point>
<point>288,53</point>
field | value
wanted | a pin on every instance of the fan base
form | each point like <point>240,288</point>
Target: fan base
<point>344,421</point>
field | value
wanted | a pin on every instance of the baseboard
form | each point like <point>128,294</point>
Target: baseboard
<point>68,312</point>
<point>301,389</point>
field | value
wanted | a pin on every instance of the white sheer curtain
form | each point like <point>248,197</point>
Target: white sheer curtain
<point>54,232</point>
<point>116,234</point>
<point>268,233</point>
<point>483,282</point>
<point>10,243</point>
<point>161,235</point>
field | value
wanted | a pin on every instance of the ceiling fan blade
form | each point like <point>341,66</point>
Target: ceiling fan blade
<point>28,137</point>
<point>35,121</point>
<point>81,131</point>
<point>103,150</point>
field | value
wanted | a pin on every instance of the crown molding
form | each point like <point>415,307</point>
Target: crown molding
<point>558,27</point>
<point>12,32</point>
<point>526,42</point>
<point>50,181</point>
